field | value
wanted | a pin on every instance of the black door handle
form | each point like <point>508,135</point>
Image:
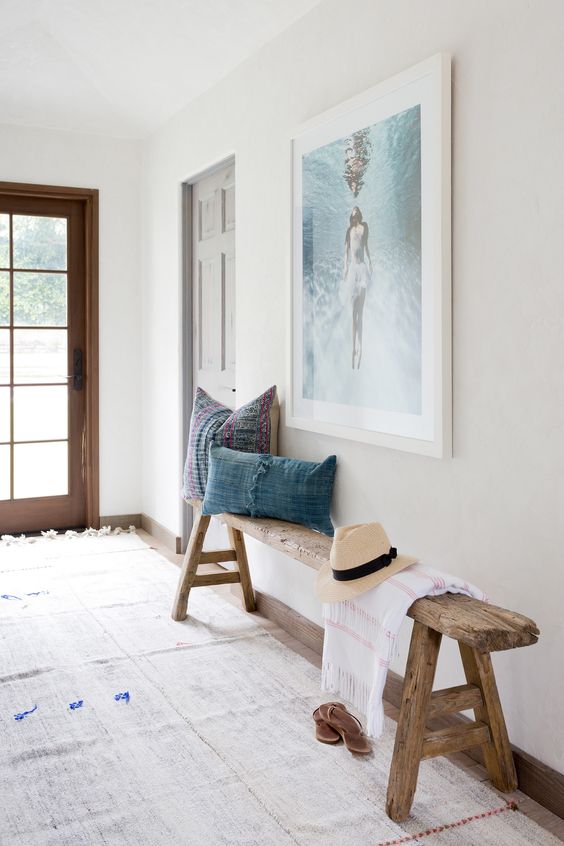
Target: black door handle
<point>77,370</point>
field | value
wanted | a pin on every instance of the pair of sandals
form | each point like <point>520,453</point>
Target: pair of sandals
<point>333,721</point>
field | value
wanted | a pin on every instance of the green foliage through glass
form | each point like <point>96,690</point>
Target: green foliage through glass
<point>40,299</point>
<point>39,242</point>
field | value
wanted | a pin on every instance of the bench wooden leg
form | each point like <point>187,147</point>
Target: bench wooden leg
<point>497,752</point>
<point>190,564</point>
<point>237,541</point>
<point>194,556</point>
<point>416,697</point>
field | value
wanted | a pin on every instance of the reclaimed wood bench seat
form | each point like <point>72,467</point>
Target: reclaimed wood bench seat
<point>478,627</point>
<point>478,624</point>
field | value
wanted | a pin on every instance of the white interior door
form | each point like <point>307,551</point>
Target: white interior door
<point>213,300</point>
<point>213,275</point>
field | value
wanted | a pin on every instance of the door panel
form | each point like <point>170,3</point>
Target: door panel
<point>213,250</point>
<point>42,323</point>
<point>40,299</point>
<point>207,216</point>
<point>4,472</point>
<point>228,334</point>
<point>5,356</point>
<point>228,207</point>
<point>40,356</point>
<point>210,304</point>
<point>40,470</point>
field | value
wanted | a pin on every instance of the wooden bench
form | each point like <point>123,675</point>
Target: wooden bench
<point>478,628</point>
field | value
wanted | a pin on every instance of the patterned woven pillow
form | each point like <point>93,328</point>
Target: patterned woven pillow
<point>252,428</point>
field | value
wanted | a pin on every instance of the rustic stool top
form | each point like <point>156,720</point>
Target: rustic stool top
<point>478,624</point>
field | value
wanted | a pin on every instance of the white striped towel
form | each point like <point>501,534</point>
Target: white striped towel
<point>360,636</point>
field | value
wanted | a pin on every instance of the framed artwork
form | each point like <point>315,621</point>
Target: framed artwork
<point>371,258</point>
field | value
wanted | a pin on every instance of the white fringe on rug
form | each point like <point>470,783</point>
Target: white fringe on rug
<point>51,534</point>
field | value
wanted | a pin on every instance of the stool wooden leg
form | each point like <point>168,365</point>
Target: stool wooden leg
<point>417,687</point>
<point>497,753</point>
<point>237,541</point>
<point>190,564</point>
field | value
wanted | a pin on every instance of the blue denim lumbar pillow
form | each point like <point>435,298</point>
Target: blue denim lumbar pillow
<point>270,486</point>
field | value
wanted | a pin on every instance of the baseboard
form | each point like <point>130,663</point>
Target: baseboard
<point>164,535</point>
<point>537,780</point>
<point>124,521</point>
<point>142,521</point>
<point>304,630</point>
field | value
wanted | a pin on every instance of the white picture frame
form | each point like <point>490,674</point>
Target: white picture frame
<point>422,421</point>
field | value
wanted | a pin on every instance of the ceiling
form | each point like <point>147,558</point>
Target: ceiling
<point>123,67</point>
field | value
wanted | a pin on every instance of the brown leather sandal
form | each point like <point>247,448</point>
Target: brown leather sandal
<point>350,729</point>
<point>323,732</point>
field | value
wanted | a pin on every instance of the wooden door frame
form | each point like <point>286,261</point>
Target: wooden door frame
<point>90,199</point>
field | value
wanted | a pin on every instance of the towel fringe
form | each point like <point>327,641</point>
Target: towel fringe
<point>358,694</point>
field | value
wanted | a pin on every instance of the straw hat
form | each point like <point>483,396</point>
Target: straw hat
<point>361,557</point>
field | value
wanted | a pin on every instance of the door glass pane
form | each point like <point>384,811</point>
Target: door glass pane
<point>40,242</point>
<point>4,356</point>
<point>4,472</point>
<point>4,240</point>
<point>40,470</point>
<point>40,355</point>
<point>40,299</point>
<point>4,299</point>
<point>40,414</point>
<point>4,414</point>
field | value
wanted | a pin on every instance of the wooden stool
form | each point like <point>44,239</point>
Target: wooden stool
<point>194,556</point>
<point>479,629</point>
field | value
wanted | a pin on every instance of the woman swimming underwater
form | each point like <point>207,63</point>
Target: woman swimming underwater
<point>357,277</point>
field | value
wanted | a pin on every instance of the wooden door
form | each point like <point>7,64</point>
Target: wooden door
<point>43,356</point>
<point>213,274</point>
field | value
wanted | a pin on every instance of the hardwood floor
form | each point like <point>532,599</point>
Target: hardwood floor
<point>528,806</point>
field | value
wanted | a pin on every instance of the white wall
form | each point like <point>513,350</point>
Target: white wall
<point>111,165</point>
<point>494,513</point>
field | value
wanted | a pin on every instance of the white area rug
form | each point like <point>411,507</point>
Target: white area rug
<point>216,744</point>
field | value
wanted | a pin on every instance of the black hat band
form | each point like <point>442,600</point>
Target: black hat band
<point>366,569</point>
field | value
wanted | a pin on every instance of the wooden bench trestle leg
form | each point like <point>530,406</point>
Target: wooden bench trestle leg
<point>414,742</point>
<point>497,751</point>
<point>416,699</point>
<point>194,556</point>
